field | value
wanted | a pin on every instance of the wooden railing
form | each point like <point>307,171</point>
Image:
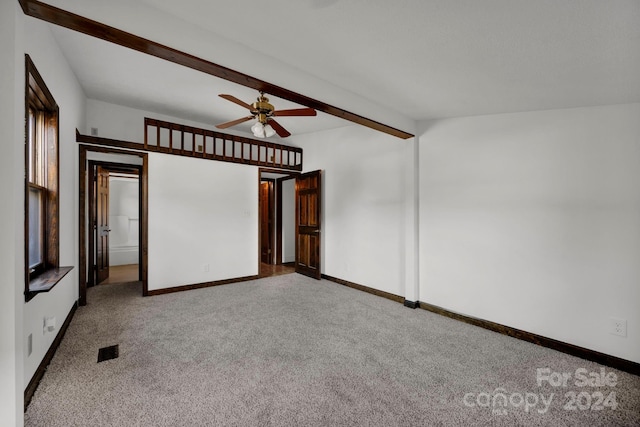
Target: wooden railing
<point>173,138</point>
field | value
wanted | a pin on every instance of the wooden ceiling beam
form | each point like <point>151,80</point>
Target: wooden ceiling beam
<point>102,31</point>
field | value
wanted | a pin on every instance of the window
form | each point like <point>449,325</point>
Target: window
<point>41,184</point>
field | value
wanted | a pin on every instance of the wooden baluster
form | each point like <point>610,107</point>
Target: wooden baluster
<point>271,160</point>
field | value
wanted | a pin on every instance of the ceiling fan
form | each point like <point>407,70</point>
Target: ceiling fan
<point>266,126</point>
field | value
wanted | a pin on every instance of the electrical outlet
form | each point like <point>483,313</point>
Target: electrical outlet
<point>618,326</point>
<point>205,268</point>
<point>49,325</point>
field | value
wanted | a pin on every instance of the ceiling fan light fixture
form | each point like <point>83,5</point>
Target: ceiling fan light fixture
<point>258,130</point>
<point>269,131</point>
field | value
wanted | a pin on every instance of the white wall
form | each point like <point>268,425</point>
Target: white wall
<point>22,35</point>
<point>124,220</point>
<point>532,220</point>
<point>102,115</point>
<point>11,212</point>
<point>65,89</point>
<point>363,204</point>
<point>201,212</point>
<point>288,220</point>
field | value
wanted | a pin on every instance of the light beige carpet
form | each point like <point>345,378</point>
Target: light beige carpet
<point>292,351</point>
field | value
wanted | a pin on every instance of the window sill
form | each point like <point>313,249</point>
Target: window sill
<point>46,281</point>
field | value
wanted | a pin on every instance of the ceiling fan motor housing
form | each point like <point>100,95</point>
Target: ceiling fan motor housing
<point>262,109</point>
<point>265,113</point>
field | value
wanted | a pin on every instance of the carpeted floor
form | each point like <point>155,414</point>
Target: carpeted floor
<point>292,351</point>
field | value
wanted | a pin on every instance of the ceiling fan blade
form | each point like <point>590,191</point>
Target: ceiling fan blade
<point>295,112</point>
<point>282,132</point>
<point>233,122</point>
<point>236,101</point>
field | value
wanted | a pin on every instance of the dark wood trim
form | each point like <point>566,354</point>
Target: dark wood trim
<point>573,350</point>
<point>27,71</point>
<point>144,208</point>
<point>411,304</point>
<point>38,97</point>
<point>228,155</point>
<point>270,202</point>
<point>111,167</point>
<point>200,285</point>
<point>119,167</point>
<point>278,247</point>
<point>259,224</point>
<point>82,232</point>
<point>289,174</point>
<point>272,223</point>
<point>108,142</point>
<point>143,231</point>
<point>102,31</point>
<point>42,368</point>
<point>140,147</point>
<point>39,87</point>
<point>91,219</point>
<point>46,281</point>
<point>377,292</point>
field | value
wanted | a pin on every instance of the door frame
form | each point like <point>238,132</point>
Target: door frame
<point>92,212</point>
<point>281,176</point>
<point>279,224</point>
<point>83,206</point>
<point>272,213</point>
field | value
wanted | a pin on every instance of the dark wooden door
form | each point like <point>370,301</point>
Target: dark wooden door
<point>102,224</point>
<point>308,226</point>
<point>266,222</point>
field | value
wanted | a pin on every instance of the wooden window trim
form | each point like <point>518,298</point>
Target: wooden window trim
<point>39,268</point>
<point>38,99</point>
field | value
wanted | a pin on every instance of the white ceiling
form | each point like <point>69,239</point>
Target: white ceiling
<point>111,73</point>
<point>396,62</point>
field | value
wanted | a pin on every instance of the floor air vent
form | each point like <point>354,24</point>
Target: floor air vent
<point>106,353</point>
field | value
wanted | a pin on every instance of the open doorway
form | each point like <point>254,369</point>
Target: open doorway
<point>277,223</point>
<point>113,211</point>
<point>114,223</point>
